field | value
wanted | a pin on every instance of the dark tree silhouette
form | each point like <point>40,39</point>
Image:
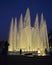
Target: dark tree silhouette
<point>5,48</point>
<point>50,38</point>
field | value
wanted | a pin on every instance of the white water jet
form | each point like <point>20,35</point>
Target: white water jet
<point>21,45</point>
<point>11,36</point>
<point>15,36</point>
<point>35,35</point>
<point>43,35</point>
<point>27,30</point>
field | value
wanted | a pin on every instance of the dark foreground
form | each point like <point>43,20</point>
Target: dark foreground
<point>24,60</point>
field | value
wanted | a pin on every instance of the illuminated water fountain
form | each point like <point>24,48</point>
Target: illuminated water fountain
<point>26,37</point>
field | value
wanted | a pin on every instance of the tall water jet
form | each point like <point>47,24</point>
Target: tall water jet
<point>15,35</point>
<point>21,44</point>
<point>46,36</point>
<point>10,41</point>
<point>27,30</point>
<point>36,37</point>
<point>43,35</point>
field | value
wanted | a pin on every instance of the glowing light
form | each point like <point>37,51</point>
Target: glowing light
<point>38,51</point>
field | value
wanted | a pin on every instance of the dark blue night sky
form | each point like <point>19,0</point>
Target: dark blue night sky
<point>13,8</point>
